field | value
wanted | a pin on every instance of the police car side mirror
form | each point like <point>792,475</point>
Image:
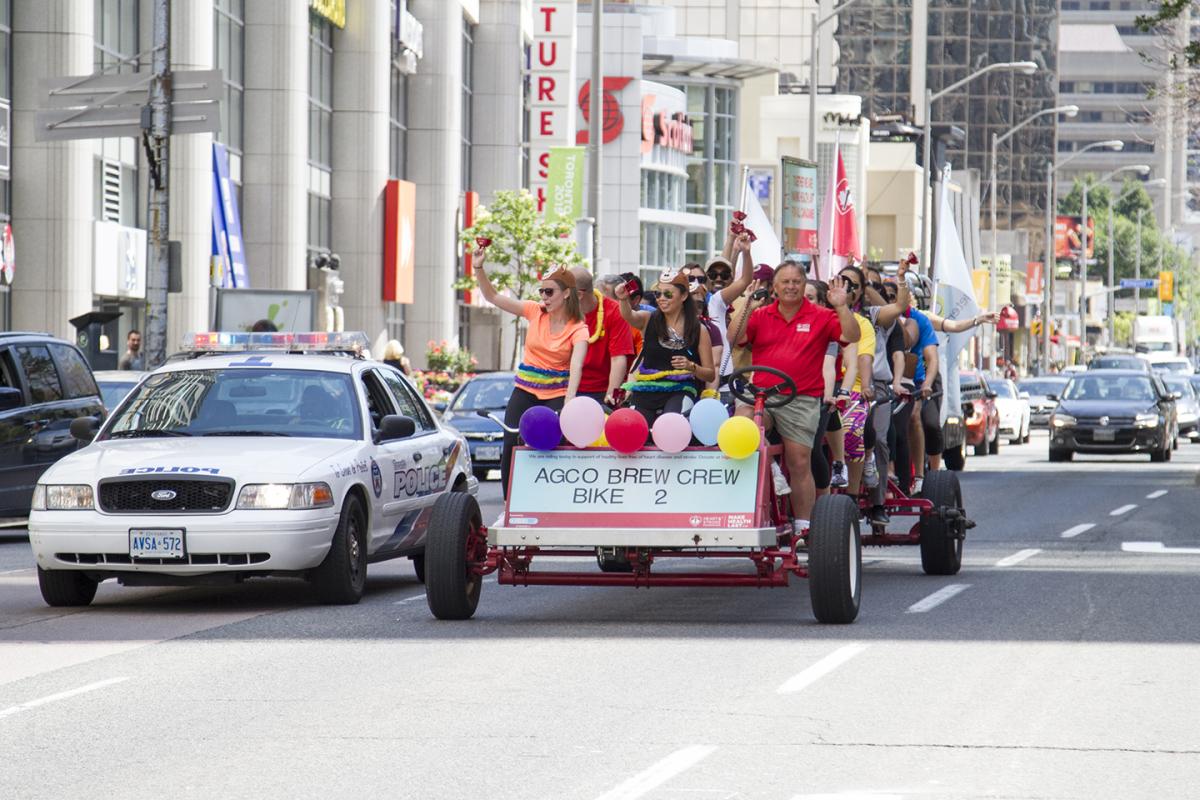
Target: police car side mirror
<point>84,428</point>
<point>395,426</point>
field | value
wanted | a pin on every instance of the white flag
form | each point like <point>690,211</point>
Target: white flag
<point>766,248</point>
<point>954,296</point>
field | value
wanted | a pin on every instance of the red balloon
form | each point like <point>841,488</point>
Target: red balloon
<point>626,430</point>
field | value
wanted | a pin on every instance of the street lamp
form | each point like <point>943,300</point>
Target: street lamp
<point>993,271</point>
<point>1023,67</point>
<point>1048,248</point>
<point>814,52</point>
<point>1112,286</point>
<point>1141,169</point>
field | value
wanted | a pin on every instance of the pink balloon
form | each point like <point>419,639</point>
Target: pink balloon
<point>671,433</point>
<point>582,421</point>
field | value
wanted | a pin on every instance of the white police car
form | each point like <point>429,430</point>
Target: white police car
<point>256,454</point>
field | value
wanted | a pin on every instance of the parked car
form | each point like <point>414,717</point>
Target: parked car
<point>1165,364</point>
<point>1187,405</point>
<point>115,384</point>
<point>1114,411</point>
<point>981,417</point>
<point>45,383</point>
<point>1043,397</point>
<point>1120,362</point>
<point>487,391</point>
<point>1013,407</point>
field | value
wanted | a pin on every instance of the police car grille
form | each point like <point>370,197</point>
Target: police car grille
<point>214,559</point>
<point>192,497</point>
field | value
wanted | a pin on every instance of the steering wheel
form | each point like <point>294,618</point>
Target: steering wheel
<point>774,395</point>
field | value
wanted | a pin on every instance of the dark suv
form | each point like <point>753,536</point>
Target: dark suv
<point>44,384</point>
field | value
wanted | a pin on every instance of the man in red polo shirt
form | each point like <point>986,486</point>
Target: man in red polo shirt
<point>610,341</point>
<point>792,335</point>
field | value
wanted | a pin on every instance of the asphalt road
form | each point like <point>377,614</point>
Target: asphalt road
<point>1060,663</point>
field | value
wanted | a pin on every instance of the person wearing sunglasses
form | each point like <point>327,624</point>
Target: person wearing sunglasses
<point>857,386</point>
<point>555,348</point>
<point>724,289</point>
<point>698,288</point>
<point>676,358</point>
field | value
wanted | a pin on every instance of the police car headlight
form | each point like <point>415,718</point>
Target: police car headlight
<point>279,496</point>
<point>63,498</point>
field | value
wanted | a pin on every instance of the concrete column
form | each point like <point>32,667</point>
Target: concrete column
<point>275,163</point>
<point>361,86</point>
<point>52,182</point>
<point>434,159</point>
<point>191,178</point>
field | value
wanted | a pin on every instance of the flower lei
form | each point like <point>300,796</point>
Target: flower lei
<point>599,317</point>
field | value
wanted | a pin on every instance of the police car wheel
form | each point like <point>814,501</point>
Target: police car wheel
<point>342,576</point>
<point>418,563</point>
<point>64,587</point>
<point>834,560</point>
<point>455,541</point>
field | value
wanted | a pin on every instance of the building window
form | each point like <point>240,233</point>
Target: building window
<point>711,187</point>
<point>116,34</point>
<point>320,133</point>
<point>229,53</point>
<point>398,111</point>
<point>115,40</point>
<point>468,88</point>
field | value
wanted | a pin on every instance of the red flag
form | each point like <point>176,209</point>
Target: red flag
<point>839,228</point>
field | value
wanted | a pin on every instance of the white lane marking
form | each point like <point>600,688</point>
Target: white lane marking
<point>820,669</point>
<point>54,698</point>
<point>1018,557</point>
<point>1070,533</point>
<point>16,571</point>
<point>1116,512</point>
<point>657,774</point>
<point>937,598</point>
<point>1157,547</point>
<point>1156,495</point>
<point>420,596</point>
<point>850,795</point>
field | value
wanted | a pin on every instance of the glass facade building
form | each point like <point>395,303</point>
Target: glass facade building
<point>880,50</point>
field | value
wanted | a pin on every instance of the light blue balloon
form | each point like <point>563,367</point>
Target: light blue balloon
<point>707,417</point>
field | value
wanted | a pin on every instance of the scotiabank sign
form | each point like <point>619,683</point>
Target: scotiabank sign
<point>665,129</point>
<point>552,81</point>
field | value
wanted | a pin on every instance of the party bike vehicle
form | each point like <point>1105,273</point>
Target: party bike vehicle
<point>253,454</point>
<point>643,507</point>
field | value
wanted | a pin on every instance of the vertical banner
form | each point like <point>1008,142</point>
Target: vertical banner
<point>564,184</point>
<point>1166,287</point>
<point>230,227</point>
<point>1033,282</point>
<point>399,241</point>
<point>551,89</point>
<point>799,206</point>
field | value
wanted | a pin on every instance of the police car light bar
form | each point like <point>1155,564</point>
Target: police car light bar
<point>292,342</point>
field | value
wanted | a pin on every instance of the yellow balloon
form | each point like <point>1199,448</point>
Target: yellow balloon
<point>601,442</point>
<point>738,437</point>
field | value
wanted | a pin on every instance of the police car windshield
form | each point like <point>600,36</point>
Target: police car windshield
<point>241,402</point>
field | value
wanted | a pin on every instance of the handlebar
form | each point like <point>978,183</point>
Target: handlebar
<point>483,412</point>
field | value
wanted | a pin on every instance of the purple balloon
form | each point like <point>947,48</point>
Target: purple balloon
<point>540,429</point>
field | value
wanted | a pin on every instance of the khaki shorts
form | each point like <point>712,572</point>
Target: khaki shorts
<point>798,420</point>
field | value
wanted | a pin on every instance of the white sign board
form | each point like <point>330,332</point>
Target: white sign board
<point>119,259</point>
<point>552,82</point>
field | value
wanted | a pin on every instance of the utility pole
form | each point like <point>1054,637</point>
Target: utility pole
<point>156,139</point>
<point>1083,251</point>
<point>1048,267</point>
<point>1137,268</point>
<point>1112,287</point>
<point>595,125</point>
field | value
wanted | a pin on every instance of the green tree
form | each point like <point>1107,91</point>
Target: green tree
<point>524,247</point>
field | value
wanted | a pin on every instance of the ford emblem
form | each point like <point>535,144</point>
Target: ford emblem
<point>163,494</point>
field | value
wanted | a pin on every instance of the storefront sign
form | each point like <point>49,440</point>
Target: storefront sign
<point>332,10</point>
<point>602,489</point>
<point>552,79</point>
<point>8,257</point>
<point>614,121</point>
<point>1068,237</point>
<point>799,206</point>
<point>1003,279</point>
<point>399,242</point>
<point>564,184</point>
<point>119,258</point>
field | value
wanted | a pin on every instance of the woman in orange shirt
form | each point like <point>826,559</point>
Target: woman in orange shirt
<point>555,347</point>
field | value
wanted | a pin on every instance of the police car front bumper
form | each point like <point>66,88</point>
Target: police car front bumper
<point>236,541</point>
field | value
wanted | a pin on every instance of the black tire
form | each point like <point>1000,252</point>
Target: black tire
<point>66,587</point>
<point>994,445</point>
<point>834,560</point>
<point>481,473</point>
<point>451,591</point>
<point>610,562</point>
<point>941,548</point>
<point>955,458</point>
<point>1061,455</point>
<point>342,576</point>
<point>418,563</point>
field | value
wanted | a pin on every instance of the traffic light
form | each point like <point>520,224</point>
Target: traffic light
<point>1166,287</point>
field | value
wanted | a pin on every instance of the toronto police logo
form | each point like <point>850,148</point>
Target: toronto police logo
<point>376,479</point>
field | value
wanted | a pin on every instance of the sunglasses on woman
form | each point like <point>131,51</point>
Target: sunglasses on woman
<point>546,291</point>
<point>851,286</point>
<point>666,295</point>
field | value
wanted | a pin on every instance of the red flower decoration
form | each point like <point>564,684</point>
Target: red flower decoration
<point>737,228</point>
<point>740,216</point>
<point>483,241</point>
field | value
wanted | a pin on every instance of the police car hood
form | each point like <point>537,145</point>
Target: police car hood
<point>257,460</point>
